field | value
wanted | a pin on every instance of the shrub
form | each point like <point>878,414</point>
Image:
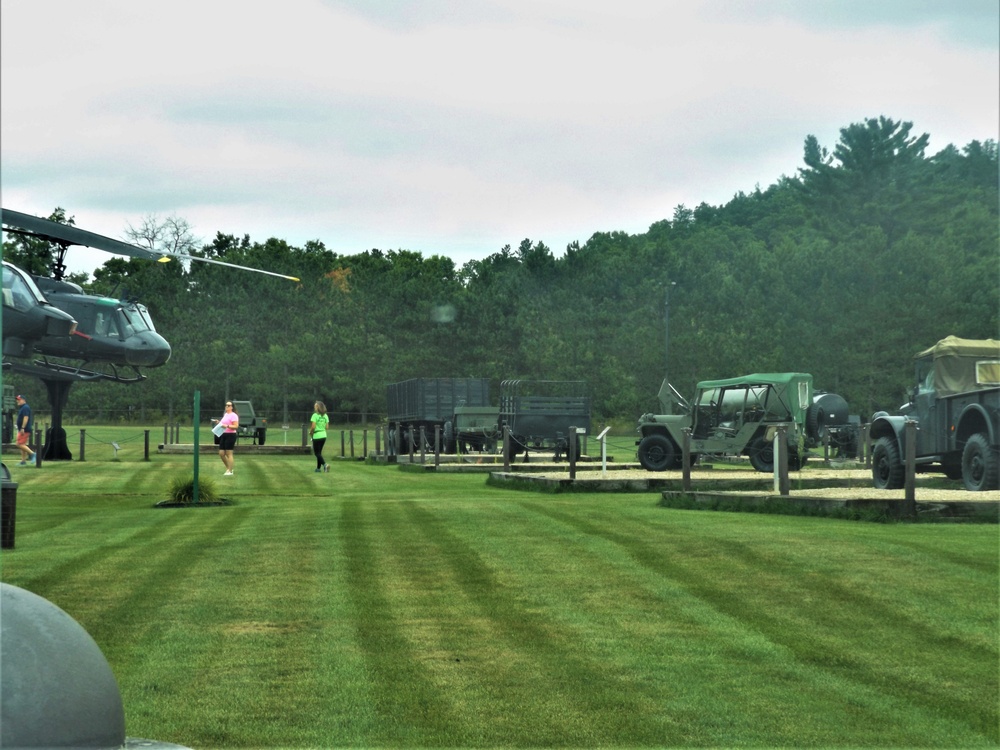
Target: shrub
<point>182,490</point>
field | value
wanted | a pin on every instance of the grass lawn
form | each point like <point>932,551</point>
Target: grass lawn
<point>370,607</point>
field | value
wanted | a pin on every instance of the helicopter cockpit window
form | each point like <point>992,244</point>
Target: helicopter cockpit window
<point>133,320</point>
<point>19,292</point>
<point>126,327</point>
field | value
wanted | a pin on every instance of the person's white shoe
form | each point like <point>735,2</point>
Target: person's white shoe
<point>228,474</point>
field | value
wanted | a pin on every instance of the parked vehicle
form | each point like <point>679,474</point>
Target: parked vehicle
<point>460,407</point>
<point>541,413</point>
<point>956,404</point>
<point>538,414</point>
<point>737,417</point>
<point>251,425</point>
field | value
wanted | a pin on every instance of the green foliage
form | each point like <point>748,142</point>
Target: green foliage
<point>872,252</point>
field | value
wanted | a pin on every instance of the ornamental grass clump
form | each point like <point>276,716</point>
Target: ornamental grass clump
<point>182,491</point>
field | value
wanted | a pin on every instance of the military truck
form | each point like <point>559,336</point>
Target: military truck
<point>956,404</point>
<point>736,417</point>
<point>252,425</point>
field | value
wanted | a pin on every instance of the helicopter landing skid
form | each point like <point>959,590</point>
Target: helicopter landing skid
<point>56,370</point>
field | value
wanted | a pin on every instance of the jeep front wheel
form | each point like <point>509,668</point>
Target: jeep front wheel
<point>762,455</point>
<point>657,453</point>
<point>887,467</point>
<point>980,465</point>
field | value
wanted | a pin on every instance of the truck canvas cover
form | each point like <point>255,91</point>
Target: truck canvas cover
<point>797,386</point>
<point>962,365</point>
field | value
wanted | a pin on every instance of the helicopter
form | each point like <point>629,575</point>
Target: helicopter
<point>104,338</point>
<point>29,318</point>
<point>117,335</point>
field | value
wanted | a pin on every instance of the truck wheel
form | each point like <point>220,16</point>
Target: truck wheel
<point>887,467</point>
<point>658,453</point>
<point>260,435</point>
<point>762,455</point>
<point>980,465</point>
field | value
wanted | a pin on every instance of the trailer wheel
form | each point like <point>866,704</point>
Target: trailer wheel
<point>762,455</point>
<point>658,453</point>
<point>261,436</point>
<point>980,465</point>
<point>887,466</point>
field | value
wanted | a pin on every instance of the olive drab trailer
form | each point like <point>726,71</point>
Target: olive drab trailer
<point>737,417</point>
<point>539,414</point>
<point>956,404</point>
<point>460,407</point>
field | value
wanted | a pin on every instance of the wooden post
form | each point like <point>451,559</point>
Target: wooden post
<point>909,508</point>
<point>572,452</point>
<point>352,443</point>
<point>364,443</point>
<point>342,450</point>
<point>83,442</point>
<point>506,448</point>
<point>781,460</point>
<point>145,452</point>
<point>437,445</point>
<point>686,460</point>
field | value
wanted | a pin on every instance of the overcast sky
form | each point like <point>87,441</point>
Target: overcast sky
<point>456,127</point>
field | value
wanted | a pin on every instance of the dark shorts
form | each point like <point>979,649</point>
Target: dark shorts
<point>227,441</point>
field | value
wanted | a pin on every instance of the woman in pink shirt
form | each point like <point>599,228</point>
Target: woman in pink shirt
<point>227,440</point>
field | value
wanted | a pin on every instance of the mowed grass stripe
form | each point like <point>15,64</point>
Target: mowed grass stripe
<point>250,665</point>
<point>886,644</point>
<point>542,659</point>
<point>100,550</point>
<point>407,707</point>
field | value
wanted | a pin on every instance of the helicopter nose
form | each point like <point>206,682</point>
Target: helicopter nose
<point>147,349</point>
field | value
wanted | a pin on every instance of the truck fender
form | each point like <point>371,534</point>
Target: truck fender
<point>976,418</point>
<point>884,425</point>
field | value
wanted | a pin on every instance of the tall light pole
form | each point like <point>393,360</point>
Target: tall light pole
<point>666,334</point>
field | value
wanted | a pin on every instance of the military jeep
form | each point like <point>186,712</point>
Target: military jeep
<point>737,417</point>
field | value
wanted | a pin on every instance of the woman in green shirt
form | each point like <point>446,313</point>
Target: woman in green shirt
<point>318,432</point>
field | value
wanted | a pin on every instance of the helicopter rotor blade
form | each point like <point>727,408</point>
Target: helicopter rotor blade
<point>66,234</point>
<point>184,256</point>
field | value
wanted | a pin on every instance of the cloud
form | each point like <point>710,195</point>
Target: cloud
<point>456,128</point>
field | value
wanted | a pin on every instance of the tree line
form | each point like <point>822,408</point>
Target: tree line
<point>873,251</point>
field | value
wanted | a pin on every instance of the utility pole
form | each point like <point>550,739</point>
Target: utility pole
<point>666,333</point>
